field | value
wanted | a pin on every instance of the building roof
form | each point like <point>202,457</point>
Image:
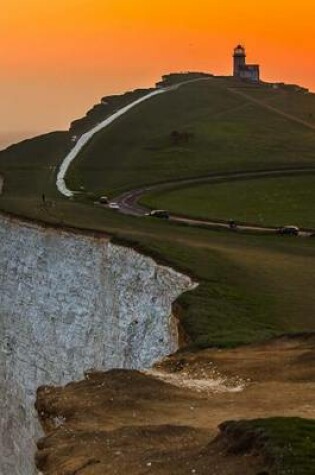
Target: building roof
<point>239,50</point>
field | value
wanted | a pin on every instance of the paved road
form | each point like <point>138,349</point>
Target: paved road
<point>128,202</point>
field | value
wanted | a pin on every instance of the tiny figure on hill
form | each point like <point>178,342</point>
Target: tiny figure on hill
<point>232,224</point>
<point>46,203</point>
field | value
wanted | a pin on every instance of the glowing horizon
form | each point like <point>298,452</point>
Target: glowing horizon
<point>59,59</point>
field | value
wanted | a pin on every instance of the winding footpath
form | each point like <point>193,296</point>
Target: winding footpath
<point>273,109</point>
<point>85,138</point>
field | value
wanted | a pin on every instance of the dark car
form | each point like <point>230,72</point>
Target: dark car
<point>103,200</point>
<point>288,231</point>
<point>159,213</point>
<point>232,224</point>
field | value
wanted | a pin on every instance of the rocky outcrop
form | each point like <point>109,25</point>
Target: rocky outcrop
<point>70,303</point>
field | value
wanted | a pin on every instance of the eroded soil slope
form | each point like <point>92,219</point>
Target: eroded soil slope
<point>166,422</point>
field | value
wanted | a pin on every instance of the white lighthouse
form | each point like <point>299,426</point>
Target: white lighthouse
<point>241,70</point>
<point>239,57</point>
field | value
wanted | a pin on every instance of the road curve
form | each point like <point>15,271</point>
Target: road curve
<point>128,201</point>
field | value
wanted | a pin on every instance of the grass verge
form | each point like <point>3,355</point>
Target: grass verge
<point>287,444</point>
<point>268,202</point>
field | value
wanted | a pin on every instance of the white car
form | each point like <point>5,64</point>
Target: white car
<point>103,200</point>
<point>113,205</point>
<point>159,213</point>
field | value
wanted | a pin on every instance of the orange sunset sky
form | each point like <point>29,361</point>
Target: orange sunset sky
<point>59,57</point>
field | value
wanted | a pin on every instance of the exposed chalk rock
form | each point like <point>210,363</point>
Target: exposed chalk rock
<point>68,303</point>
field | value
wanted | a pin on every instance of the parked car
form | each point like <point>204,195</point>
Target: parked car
<point>114,205</point>
<point>159,213</point>
<point>103,200</point>
<point>288,231</point>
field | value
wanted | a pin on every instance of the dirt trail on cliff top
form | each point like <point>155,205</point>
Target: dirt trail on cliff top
<point>129,421</point>
<point>272,108</point>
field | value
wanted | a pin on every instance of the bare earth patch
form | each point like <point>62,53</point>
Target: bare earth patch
<point>166,422</point>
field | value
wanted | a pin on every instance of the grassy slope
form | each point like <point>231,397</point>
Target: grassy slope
<point>298,104</point>
<point>230,134</point>
<point>29,167</point>
<point>250,287</point>
<point>110,104</point>
<point>288,444</point>
<point>268,201</point>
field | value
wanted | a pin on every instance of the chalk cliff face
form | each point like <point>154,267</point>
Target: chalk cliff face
<point>70,303</point>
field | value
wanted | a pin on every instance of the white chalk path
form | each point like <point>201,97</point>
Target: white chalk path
<point>85,138</point>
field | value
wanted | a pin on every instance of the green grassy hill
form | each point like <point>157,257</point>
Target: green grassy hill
<point>291,100</point>
<point>268,201</point>
<point>286,444</point>
<point>29,167</point>
<point>251,287</point>
<point>229,133</point>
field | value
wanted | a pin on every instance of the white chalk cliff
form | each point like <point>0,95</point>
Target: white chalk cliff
<point>68,303</point>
